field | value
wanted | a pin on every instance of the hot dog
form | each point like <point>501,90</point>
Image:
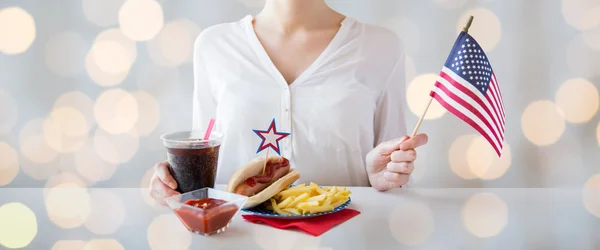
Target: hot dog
<point>250,180</point>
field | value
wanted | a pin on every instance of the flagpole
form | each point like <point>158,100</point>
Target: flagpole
<point>466,30</point>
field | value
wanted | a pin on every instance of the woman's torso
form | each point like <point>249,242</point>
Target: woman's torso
<point>329,109</point>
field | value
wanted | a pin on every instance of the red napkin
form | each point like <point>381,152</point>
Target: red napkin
<point>315,225</point>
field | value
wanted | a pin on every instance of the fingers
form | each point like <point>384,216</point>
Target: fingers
<point>402,156</point>
<point>414,142</point>
<point>395,179</point>
<point>162,171</point>
<point>159,191</point>
<point>387,147</point>
<point>400,167</point>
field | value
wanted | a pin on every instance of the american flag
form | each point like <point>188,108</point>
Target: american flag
<point>467,87</point>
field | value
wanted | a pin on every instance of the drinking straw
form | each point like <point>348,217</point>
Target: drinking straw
<point>211,123</point>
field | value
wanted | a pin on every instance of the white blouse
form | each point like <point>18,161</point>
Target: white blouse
<point>348,101</point>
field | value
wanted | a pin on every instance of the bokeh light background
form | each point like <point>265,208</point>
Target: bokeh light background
<point>88,86</point>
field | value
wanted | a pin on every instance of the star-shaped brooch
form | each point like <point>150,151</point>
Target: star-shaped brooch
<point>270,138</point>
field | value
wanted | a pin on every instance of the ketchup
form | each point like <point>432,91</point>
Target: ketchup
<point>212,216</point>
<point>268,174</point>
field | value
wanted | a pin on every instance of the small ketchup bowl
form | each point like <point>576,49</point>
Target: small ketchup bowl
<point>206,211</point>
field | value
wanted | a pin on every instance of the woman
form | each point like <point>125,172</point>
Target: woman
<point>335,83</point>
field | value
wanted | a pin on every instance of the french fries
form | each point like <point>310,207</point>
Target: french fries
<point>307,199</point>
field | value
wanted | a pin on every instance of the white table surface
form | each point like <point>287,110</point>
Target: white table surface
<point>397,219</point>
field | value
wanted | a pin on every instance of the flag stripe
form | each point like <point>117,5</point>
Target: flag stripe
<point>465,94</point>
<point>491,92</point>
<point>466,105</point>
<point>477,96</point>
<point>495,108</point>
<point>441,98</point>
<point>462,110</point>
<point>495,82</point>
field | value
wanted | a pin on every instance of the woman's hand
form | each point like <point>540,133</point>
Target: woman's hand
<point>390,164</point>
<point>162,184</point>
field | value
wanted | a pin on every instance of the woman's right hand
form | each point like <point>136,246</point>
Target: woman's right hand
<point>162,184</point>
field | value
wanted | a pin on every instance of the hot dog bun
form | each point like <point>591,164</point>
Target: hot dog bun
<point>264,191</point>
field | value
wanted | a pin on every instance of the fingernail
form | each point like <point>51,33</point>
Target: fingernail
<point>172,185</point>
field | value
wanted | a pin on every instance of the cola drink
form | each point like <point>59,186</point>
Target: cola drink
<point>192,160</point>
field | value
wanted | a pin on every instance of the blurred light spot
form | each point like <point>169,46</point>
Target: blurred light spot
<point>17,30</point>
<point>63,180</point>
<point>116,149</point>
<point>411,71</point>
<point>18,225</point>
<point>111,57</point>
<point>100,77</point>
<point>173,46</point>
<point>253,3</point>
<point>411,223</point>
<point>407,31</point>
<point>483,160</point>
<point>115,35</point>
<point>59,180</point>
<point>598,133</point>
<point>91,166</point>
<point>542,123</point>
<point>145,189</point>
<point>592,38</point>
<point>417,97</point>
<point>578,99</point>
<point>486,27</point>
<point>68,205</point>
<point>33,144</point>
<point>79,101</point>
<point>69,245</point>
<point>457,157</point>
<point>484,215</point>
<point>102,13</point>
<point>116,111</point>
<point>111,36</point>
<point>450,4</point>
<point>40,171</point>
<point>65,53</point>
<point>108,212</point>
<point>149,113</point>
<point>66,130</point>
<point>9,112</point>
<point>141,20</point>
<point>591,199</point>
<point>9,165</point>
<point>103,244</point>
<point>158,81</point>
<point>268,238</point>
<point>581,14</point>
<point>582,59</point>
<point>167,233</point>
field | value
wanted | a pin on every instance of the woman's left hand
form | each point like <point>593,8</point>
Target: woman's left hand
<point>391,163</point>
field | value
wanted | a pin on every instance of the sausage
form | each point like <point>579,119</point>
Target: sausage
<point>257,183</point>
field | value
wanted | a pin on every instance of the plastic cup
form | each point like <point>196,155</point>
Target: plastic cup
<point>193,160</point>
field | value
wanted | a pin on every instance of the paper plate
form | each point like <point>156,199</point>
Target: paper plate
<point>260,210</point>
